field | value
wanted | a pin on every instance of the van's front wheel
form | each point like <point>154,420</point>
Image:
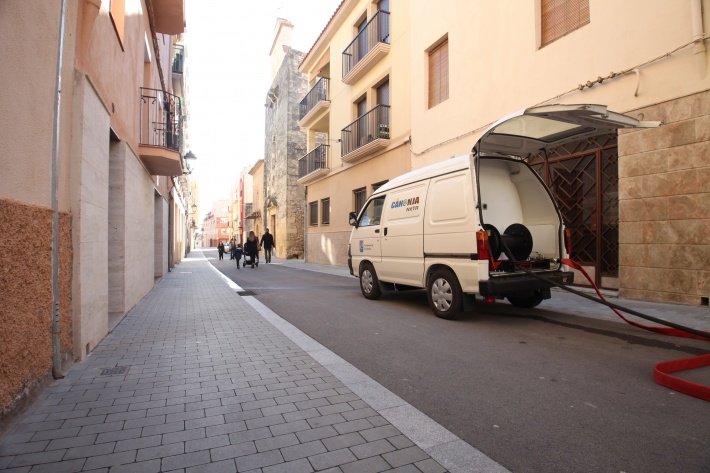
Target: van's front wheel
<point>369,285</point>
<point>444,294</point>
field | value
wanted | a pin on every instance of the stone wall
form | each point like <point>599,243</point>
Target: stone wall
<point>285,144</point>
<point>664,204</point>
<point>26,295</point>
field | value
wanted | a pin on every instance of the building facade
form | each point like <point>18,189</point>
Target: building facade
<point>358,76</point>
<point>636,202</point>
<point>119,164</point>
<point>217,224</point>
<point>285,143</point>
<point>254,213</point>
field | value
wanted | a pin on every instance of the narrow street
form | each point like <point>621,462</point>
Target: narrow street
<point>535,390</point>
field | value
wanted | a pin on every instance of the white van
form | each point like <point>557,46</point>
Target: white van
<point>483,224</point>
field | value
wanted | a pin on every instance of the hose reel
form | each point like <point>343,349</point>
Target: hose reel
<point>518,240</point>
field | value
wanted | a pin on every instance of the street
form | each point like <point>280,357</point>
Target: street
<point>534,389</point>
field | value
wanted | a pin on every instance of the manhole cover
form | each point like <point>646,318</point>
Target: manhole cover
<point>114,370</point>
<point>246,293</point>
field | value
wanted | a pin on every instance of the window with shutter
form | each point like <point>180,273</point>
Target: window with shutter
<point>561,17</point>
<point>439,74</point>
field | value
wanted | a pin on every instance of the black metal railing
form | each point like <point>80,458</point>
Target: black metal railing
<point>313,161</point>
<point>160,119</point>
<point>318,93</point>
<point>372,125</point>
<point>179,59</point>
<point>377,30</point>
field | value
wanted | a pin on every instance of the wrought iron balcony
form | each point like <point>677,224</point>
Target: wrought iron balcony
<point>376,32</point>
<point>161,128</point>
<point>179,59</point>
<point>314,164</point>
<point>368,133</point>
<point>317,94</point>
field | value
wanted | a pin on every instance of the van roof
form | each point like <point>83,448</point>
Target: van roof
<point>450,165</point>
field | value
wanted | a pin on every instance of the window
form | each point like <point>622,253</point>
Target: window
<point>383,93</point>
<point>313,214</point>
<point>561,17</point>
<point>439,74</point>
<point>224,220</point>
<point>372,213</point>
<point>377,185</point>
<point>117,12</point>
<point>360,198</point>
<point>325,211</point>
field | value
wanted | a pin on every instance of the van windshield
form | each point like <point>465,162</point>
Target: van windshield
<point>371,214</point>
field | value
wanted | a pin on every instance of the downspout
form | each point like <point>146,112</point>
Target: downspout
<point>696,15</point>
<point>56,339</point>
<point>305,223</point>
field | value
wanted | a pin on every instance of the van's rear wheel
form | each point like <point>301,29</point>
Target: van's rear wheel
<point>444,294</point>
<point>369,285</point>
<point>526,300</point>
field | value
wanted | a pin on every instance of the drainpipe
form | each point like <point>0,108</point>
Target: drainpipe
<point>696,14</point>
<point>56,340</point>
<point>305,222</point>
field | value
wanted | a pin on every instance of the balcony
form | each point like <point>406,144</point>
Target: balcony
<point>169,16</point>
<point>160,141</point>
<point>315,105</point>
<point>314,165</point>
<point>366,135</point>
<point>369,46</point>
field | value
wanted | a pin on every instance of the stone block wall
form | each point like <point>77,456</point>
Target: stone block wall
<point>664,204</point>
<point>285,144</point>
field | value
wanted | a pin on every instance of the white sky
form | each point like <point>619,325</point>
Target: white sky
<point>228,43</point>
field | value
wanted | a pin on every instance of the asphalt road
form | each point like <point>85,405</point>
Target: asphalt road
<point>535,390</point>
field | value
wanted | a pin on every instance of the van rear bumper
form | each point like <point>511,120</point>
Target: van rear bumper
<point>503,285</point>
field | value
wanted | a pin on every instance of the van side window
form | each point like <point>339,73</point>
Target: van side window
<point>372,213</point>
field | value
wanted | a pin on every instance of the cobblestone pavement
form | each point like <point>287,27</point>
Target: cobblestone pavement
<point>195,380</point>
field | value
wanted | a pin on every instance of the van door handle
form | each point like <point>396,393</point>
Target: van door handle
<point>385,231</point>
<point>377,230</point>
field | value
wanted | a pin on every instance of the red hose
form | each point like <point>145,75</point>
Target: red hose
<point>661,372</point>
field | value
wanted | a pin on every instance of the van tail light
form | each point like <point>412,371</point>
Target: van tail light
<point>568,241</point>
<point>484,252</point>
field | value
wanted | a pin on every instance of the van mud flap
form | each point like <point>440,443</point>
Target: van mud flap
<point>505,285</point>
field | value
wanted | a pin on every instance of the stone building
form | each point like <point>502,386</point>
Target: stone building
<point>285,143</point>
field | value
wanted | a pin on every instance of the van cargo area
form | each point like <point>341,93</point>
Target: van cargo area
<point>483,224</point>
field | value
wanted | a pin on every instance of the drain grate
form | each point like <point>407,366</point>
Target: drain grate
<point>246,293</point>
<point>114,370</point>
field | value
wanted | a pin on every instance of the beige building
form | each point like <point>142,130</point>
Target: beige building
<point>359,100</point>
<point>120,196</point>
<point>253,216</point>
<point>637,203</point>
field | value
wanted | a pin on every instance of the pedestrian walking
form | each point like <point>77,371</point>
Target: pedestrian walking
<point>267,241</point>
<point>251,250</point>
<point>232,247</point>
<point>238,253</point>
<point>220,250</point>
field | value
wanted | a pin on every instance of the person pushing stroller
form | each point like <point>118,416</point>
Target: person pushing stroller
<point>251,250</point>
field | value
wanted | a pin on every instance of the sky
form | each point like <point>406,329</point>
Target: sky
<point>228,77</point>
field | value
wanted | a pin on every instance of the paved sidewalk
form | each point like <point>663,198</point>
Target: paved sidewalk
<point>195,380</point>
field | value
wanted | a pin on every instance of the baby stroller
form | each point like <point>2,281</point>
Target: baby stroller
<point>252,259</point>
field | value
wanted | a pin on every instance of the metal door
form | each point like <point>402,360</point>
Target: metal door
<point>584,179</point>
